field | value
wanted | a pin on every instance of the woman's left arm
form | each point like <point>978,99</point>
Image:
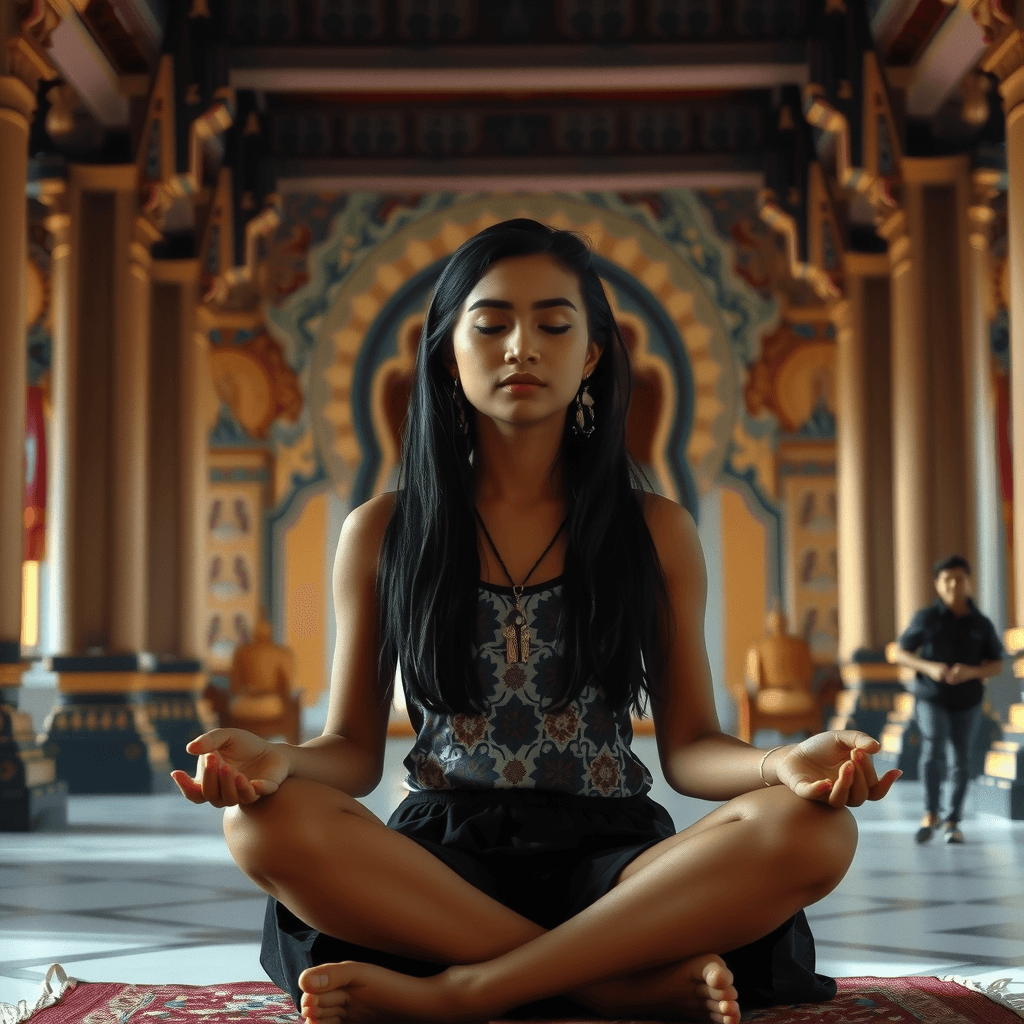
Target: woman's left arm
<point>698,759</point>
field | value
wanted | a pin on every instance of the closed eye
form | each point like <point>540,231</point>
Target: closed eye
<point>555,330</point>
<point>489,330</point>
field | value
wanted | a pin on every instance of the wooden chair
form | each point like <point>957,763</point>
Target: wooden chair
<point>778,689</point>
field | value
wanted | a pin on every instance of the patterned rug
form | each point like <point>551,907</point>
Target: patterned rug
<point>860,1001</point>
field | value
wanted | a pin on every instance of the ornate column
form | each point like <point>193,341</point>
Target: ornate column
<point>100,733</point>
<point>17,103</point>
<point>30,795</point>
<point>911,533</point>
<point>990,573</point>
<point>61,439</point>
<point>194,474</point>
<point>1001,788</point>
<point>851,471</point>
<point>1011,56</point>
<point>176,538</point>
<point>130,425</point>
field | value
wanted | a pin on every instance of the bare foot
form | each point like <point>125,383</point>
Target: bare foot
<point>362,993</point>
<point>700,989</point>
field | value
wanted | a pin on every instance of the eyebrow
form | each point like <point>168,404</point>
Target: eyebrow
<point>502,304</point>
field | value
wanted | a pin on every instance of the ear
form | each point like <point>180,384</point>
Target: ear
<point>593,355</point>
<point>450,364</point>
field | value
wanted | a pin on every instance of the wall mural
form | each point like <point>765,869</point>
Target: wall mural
<point>350,331</point>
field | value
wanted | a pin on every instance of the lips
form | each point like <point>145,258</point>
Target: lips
<point>521,378</point>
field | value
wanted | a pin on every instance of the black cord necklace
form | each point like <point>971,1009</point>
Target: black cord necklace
<point>516,631</point>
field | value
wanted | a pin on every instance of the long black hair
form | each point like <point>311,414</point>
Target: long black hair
<point>613,628</point>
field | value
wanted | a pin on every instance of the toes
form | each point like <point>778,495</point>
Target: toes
<point>327,1002</point>
<point>318,981</point>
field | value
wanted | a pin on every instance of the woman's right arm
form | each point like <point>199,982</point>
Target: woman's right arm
<point>237,767</point>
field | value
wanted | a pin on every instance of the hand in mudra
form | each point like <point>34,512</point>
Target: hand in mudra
<point>835,768</point>
<point>235,767</point>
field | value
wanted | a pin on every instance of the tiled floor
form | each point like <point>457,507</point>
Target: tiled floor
<point>142,889</point>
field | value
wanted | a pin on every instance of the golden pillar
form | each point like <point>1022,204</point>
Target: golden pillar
<point>851,472</point>
<point>909,413</point>
<point>990,571</point>
<point>1012,90</point>
<point>60,456</point>
<point>863,429</point>
<point>17,103</point>
<point>196,385</point>
<point>178,454</point>
<point>929,289</point>
<point>134,235</point>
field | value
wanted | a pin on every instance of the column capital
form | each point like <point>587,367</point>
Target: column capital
<point>980,214</point>
<point>895,229</point>
<point>53,194</point>
<point>1005,56</point>
<point>26,57</point>
<point>17,101</point>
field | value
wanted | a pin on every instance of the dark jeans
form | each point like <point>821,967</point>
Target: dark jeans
<point>939,724</point>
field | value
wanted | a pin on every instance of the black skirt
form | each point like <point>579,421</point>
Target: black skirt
<point>547,856</point>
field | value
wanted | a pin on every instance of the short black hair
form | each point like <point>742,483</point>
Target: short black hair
<point>951,562</point>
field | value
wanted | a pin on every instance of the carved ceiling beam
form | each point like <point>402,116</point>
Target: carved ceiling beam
<point>28,50</point>
<point>239,286</point>
<point>822,115</point>
<point>156,145</point>
<point>786,226</point>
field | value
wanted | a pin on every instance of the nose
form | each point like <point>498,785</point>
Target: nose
<point>520,346</point>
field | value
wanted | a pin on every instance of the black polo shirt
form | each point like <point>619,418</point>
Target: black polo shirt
<point>936,634</point>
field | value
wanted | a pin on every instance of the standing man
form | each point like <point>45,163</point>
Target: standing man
<point>953,648</point>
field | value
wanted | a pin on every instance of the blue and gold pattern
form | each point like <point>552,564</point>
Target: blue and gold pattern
<point>518,742</point>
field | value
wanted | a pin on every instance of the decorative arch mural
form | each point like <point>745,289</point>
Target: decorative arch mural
<point>681,346</point>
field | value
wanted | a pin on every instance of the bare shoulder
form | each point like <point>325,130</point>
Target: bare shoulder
<point>675,538</point>
<point>362,534</point>
<point>371,518</point>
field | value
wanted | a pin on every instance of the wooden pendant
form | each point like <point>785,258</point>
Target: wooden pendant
<point>517,638</point>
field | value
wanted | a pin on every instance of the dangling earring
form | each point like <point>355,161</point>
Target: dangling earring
<point>584,424</point>
<point>460,407</point>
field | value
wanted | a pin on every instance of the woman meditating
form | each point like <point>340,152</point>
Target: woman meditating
<point>531,592</point>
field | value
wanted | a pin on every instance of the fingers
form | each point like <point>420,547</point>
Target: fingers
<point>884,784</point>
<point>262,787</point>
<point>223,785</point>
<point>856,740</point>
<point>188,786</point>
<point>840,794</point>
<point>813,790</point>
<point>212,740</point>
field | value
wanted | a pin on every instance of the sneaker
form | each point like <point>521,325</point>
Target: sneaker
<point>953,833</point>
<point>927,829</point>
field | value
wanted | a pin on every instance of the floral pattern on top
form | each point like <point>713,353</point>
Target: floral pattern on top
<point>519,742</point>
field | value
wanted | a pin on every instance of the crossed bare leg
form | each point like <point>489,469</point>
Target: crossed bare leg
<point>697,989</point>
<point>643,949</point>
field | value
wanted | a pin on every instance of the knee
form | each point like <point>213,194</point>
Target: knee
<point>273,836</point>
<point>811,842</point>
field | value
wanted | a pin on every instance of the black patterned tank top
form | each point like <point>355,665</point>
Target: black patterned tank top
<point>516,743</point>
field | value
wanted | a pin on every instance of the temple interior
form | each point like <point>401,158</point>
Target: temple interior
<point>220,224</point>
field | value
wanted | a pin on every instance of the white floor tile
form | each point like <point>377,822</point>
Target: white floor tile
<point>103,895</point>
<point>14,989</point>
<point>35,947</point>
<point>197,965</point>
<point>244,913</point>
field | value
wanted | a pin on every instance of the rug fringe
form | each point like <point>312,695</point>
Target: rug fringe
<point>1007,992</point>
<point>56,985</point>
